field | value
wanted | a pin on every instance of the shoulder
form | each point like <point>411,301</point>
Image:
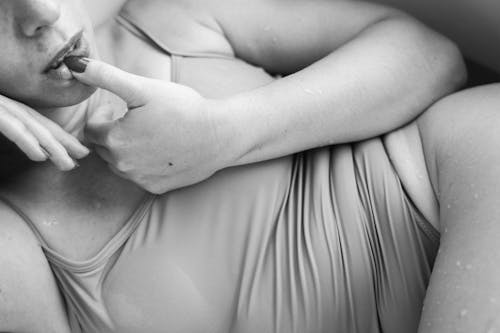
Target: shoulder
<point>101,12</point>
<point>184,26</point>
<point>29,297</point>
<point>16,238</point>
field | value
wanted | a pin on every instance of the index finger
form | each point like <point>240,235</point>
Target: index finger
<point>99,74</point>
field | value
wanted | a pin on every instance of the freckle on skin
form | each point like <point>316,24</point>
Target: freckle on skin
<point>170,164</point>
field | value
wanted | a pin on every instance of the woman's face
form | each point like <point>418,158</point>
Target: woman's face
<point>34,36</point>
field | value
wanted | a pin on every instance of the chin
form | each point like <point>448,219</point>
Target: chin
<point>62,97</point>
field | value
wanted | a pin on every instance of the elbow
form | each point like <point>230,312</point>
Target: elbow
<point>437,61</point>
<point>447,63</point>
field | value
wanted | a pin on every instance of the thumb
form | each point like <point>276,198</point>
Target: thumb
<point>99,74</point>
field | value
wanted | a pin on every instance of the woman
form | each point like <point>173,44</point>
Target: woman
<point>321,241</point>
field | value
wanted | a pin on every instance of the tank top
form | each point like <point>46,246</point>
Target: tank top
<point>322,241</point>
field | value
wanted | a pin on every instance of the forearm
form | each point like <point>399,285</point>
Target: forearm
<point>377,82</point>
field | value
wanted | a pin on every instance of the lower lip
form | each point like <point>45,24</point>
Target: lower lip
<point>63,73</point>
<point>60,73</point>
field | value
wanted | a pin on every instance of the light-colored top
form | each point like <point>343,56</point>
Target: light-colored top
<point>323,241</point>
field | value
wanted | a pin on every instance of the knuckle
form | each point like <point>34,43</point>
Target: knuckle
<point>46,136</point>
<point>18,127</point>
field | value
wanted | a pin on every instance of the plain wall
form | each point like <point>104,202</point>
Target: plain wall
<point>473,24</point>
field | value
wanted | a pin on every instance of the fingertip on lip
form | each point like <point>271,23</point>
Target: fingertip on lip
<point>76,64</point>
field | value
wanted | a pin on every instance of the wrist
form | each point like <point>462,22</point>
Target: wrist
<point>251,124</point>
<point>230,131</point>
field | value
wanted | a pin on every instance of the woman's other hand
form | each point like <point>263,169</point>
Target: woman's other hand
<point>38,137</point>
<point>170,136</point>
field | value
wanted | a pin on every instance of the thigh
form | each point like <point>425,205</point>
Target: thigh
<point>29,298</point>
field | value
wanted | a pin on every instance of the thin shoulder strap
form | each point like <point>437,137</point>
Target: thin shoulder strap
<point>142,31</point>
<point>128,23</point>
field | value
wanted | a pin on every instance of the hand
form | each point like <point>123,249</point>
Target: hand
<point>38,137</point>
<point>170,136</point>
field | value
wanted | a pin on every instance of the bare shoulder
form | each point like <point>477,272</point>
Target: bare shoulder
<point>29,299</point>
<point>185,26</point>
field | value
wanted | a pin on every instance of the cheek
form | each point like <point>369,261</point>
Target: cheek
<point>17,80</point>
<point>41,47</point>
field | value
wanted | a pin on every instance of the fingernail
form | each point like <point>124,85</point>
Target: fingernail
<point>77,64</point>
<point>76,164</point>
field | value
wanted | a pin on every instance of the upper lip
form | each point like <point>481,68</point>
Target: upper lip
<point>64,50</point>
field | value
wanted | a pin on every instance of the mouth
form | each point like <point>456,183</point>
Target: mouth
<point>76,46</point>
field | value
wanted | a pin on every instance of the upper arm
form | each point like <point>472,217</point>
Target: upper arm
<point>461,136</point>
<point>286,35</point>
<point>29,298</point>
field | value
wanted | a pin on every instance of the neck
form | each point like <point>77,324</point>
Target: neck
<point>72,119</point>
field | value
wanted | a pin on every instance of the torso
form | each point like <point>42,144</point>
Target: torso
<point>197,289</point>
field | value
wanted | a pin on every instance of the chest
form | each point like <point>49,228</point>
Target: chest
<point>177,44</point>
<point>149,33</point>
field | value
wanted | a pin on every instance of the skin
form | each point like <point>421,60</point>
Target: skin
<point>27,49</point>
<point>228,138</point>
<point>436,141</point>
<point>463,166</point>
<point>38,90</point>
